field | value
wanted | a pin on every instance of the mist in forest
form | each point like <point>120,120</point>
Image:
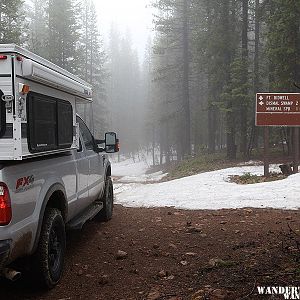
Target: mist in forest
<point>185,83</point>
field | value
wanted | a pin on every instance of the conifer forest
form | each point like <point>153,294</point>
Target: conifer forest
<point>194,88</point>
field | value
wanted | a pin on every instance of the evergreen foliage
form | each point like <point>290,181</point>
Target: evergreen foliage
<point>236,49</point>
<point>12,23</point>
<point>66,32</point>
<point>196,88</point>
<point>283,44</point>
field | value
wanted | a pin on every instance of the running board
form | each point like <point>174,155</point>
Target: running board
<point>88,214</point>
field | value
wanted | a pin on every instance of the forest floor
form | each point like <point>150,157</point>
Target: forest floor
<point>211,162</point>
<point>176,254</point>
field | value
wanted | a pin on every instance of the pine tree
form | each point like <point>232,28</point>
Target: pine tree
<point>91,61</point>
<point>284,44</point>
<point>172,48</point>
<point>63,34</point>
<point>125,95</point>
<point>38,37</point>
<point>244,106</point>
<point>12,22</point>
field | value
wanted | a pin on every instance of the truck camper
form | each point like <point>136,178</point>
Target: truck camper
<point>54,175</point>
<point>37,105</point>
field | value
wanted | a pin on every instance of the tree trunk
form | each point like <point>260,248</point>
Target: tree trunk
<point>186,94</point>
<point>231,133</point>
<point>167,144</point>
<point>211,129</point>
<point>230,114</point>
<point>243,114</point>
<point>253,143</point>
<point>153,145</point>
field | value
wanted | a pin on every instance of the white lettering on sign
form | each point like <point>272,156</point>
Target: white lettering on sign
<point>272,103</point>
<point>281,97</point>
<point>273,108</point>
<point>283,103</point>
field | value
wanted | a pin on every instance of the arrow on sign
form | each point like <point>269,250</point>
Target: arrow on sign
<point>261,103</point>
<point>261,98</point>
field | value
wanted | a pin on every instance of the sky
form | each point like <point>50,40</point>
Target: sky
<point>135,15</point>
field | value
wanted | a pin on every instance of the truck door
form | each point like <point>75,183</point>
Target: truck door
<point>96,165</point>
<point>82,177</point>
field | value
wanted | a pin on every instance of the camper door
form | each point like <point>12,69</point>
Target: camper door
<point>6,89</point>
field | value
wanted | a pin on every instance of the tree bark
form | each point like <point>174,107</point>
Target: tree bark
<point>212,129</point>
<point>153,145</point>
<point>253,143</point>
<point>186,94</point>
<point>243,114</point>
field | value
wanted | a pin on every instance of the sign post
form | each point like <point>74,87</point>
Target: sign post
<point>266,152</point>
<point>296,150</point>
<point>278,110</point>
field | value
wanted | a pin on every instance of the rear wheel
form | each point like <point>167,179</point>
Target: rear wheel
<point>108,201</point>
<point>50,254</point>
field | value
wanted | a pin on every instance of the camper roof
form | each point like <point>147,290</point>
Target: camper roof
<point>12,48</point>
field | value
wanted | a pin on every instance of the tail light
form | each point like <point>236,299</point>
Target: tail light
<point>5,205</point>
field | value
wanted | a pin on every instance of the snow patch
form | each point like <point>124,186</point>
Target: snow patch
<point>251,163</point>
<point>212,190</point>
<point>129,168</point>
<point>145,178</point>
<point>131,171</point>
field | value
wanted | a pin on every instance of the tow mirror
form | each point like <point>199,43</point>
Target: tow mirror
<point>111,142</point>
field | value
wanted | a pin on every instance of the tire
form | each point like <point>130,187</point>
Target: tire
<point>50,255</point>
<point>108,201</point>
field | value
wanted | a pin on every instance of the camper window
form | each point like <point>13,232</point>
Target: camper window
<point>50,123</point>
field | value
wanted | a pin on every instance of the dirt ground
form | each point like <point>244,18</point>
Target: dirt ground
<point>173,254</point>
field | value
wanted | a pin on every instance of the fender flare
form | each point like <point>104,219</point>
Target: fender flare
<point>54,188</point>
<point>107,173</point>
<point>107,170</point>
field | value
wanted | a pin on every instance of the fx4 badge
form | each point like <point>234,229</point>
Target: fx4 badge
<point>24,183</point>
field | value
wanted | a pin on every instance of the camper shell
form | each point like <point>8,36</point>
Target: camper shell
<point>37,105</point>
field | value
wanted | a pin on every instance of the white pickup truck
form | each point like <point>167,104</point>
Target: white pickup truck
<point>54,174</point>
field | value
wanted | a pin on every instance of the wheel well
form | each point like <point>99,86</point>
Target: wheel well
<point>57,200</point>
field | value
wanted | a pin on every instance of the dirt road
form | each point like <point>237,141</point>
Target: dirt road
<point>173,254</point>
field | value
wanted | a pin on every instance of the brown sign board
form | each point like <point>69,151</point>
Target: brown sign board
<point>277,109</point>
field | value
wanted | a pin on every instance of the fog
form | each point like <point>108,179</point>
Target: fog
<point>134,16</point>
<point>177,78</point>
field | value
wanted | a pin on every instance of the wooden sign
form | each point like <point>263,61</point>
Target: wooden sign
<point>277,109</point>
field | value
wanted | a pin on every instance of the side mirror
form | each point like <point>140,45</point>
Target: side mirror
<point>111,142</point>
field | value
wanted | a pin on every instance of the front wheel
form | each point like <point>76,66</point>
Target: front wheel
<point>50,254</point>
<point>108,201</point>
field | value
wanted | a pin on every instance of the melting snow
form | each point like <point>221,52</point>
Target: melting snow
<point>211,190</point>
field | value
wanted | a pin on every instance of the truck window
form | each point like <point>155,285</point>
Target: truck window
<point>65,122</point>
<point>49,124</point>
<point>86,135</point>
